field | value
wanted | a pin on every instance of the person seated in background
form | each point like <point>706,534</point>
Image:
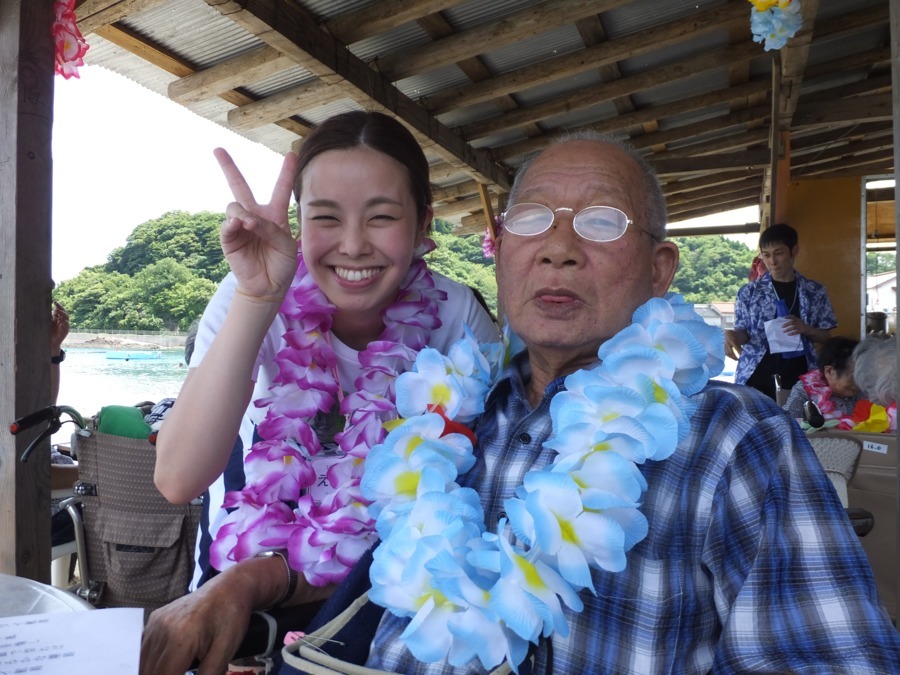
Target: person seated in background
<point>155,416</point>
<point>831,386</point>
<point>875,372</point>
<point>63,469</point>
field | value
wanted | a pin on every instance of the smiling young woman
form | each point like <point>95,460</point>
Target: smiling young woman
<point>297,353</point>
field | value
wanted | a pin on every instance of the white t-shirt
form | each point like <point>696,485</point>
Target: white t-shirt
<point>460,308</point>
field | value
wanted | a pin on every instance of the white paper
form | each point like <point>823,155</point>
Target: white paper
<point>73,643</point>
<point>779,341</point>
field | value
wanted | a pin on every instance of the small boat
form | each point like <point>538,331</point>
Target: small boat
<point>121,355</point>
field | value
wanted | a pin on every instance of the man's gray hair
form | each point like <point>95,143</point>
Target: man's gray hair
<point>875,368</point>
<point>654,200</point>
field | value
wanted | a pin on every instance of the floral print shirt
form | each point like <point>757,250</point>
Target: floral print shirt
<point>756,304</point>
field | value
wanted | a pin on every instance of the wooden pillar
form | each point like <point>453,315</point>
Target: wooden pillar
<point>781,178</point>
<point>895,96</point>
<point>26,120</point>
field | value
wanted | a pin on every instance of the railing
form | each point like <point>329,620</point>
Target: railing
<point>112,331</point>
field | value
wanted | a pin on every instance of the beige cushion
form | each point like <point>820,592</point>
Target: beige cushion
<point>839,457</point>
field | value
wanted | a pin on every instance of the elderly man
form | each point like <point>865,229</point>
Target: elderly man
<point>747,561</point>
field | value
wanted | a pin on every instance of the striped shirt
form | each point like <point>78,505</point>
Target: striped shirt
<point>750,563</point>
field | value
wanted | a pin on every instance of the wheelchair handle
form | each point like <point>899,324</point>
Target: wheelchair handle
<point>50,414</point>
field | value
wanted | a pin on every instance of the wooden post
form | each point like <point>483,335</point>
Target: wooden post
<point>487,209</point>
<point>781,178</point>
<point>26,120</point>
<point>895,95</point>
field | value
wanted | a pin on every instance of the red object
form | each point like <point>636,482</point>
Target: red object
<point>451,427</point>
<point>862,411</point>
<point>757,269</point>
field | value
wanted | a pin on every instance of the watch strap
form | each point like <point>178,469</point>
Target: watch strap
<point>291,572</point>
<point>56,360</point>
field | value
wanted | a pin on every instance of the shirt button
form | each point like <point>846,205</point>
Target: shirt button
<point>525,437</point>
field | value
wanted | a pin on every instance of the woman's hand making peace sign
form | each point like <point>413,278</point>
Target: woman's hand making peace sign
<point>256,238</point>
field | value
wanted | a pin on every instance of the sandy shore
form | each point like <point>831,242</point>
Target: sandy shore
<point>110,342</point>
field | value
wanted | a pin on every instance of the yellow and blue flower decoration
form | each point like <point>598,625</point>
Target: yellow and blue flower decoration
<point>774,22</point>
<point>471,593</point>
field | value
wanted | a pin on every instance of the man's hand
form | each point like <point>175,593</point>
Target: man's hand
<point>206,625</point>
<point>794,325</point>
<point>734,342</point>
<point>256,238</point>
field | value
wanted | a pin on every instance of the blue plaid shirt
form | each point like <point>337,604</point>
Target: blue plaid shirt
<point>755,305</point>
<point>750,563</point>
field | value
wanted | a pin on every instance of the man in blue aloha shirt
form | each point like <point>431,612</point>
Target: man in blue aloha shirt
<point>805,302</point>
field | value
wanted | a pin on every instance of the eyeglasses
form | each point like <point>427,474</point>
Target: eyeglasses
<point>595,223</point>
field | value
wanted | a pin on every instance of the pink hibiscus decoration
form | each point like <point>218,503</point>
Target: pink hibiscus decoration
<point>70,43</point>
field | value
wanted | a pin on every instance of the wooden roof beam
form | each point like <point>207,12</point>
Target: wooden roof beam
<point>229,74</point>
<point>866,167</point>
<point>304,97</point>
<point>464,205</point>
<point>793,58</point>
<point>874,108</point>
<point>589,96</point>
<point>94,14</point>
<point>638,117</point>
<point>739,161</point>
<point>137,45</point>
<point>712,207</point>
<point>728,57</point>
<point>568,65</point>
<point>380,17</point>
<point>692,134</point>
<point>719,178</point>
<point>812,157</point>
<point>681,197</point>
<point>730,143</point>
<point>474,68</point>
<point>464,189</point>
<point>509,30</point>
<point>871,85</point>
<point>290,28</point>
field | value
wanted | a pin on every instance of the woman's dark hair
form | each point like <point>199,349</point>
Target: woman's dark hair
<point>836,352</point>
<point>373,130</point>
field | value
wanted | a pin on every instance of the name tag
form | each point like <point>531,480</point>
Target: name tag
<point>329,456</point>
<point>880,448</point>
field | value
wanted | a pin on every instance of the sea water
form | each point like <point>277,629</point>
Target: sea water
<point>88,381</point>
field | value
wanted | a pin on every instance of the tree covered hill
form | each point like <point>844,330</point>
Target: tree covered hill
<point>169,268</point>
<point>711,269</point>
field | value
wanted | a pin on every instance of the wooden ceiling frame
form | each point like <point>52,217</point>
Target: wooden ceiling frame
<point>468,154</point>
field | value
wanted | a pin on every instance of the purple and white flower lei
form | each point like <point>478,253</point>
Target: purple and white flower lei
<point>275,510</point>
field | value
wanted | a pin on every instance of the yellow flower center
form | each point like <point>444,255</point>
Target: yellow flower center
<point>407,482</point>
<point>532,576</point>
<point>440,394</point>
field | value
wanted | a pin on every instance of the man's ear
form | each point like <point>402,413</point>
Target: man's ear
<point>795,249</point>
<point>665,264</point>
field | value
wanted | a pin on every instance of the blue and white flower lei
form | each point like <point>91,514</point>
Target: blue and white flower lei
<point>472,593</point>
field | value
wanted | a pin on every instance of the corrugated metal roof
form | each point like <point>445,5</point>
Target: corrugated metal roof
<point>506,118</point>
